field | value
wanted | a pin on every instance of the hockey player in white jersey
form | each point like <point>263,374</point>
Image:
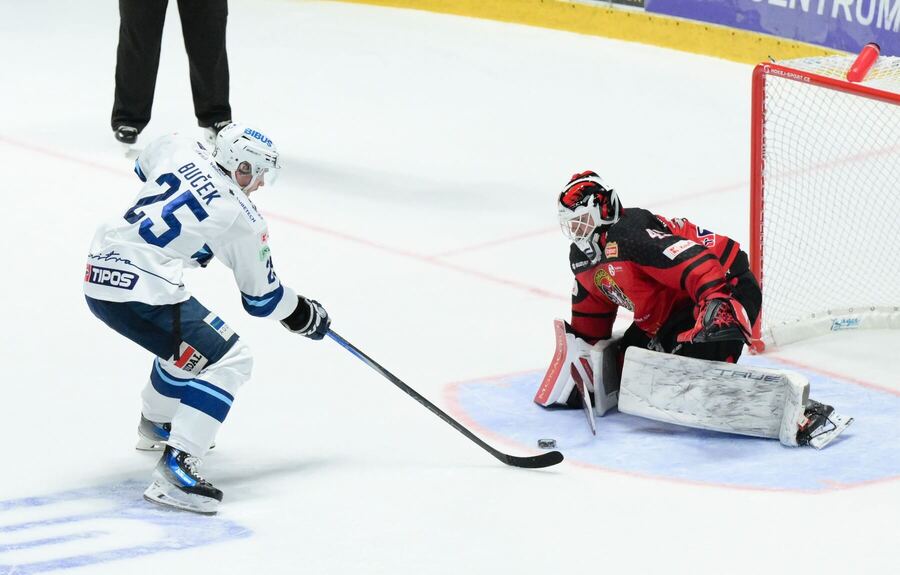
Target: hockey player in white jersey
<point>194,205</point>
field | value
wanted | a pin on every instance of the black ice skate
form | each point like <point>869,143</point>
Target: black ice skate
<point>127,134</point>
<point>152,436</point>
<point>176,483</point>
<point>821,426</point>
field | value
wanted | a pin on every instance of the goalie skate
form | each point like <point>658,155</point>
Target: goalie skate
<point>176,483</point>
<point>822,425</point>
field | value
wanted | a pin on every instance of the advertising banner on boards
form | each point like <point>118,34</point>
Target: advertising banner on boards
<point>840,24</point>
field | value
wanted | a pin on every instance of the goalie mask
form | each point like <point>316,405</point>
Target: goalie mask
<point>587,205</point>
<point>248,155</point>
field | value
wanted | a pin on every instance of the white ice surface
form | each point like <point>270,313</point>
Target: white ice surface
<point>423,153</point>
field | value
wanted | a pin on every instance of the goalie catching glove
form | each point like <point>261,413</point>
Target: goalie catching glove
<point>309,319</point>
<point>720,317</point>
<point>578,364</point>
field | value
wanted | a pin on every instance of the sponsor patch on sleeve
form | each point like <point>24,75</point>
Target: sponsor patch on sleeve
<point>672,251</point>
<point>219,325</point>
<point>707,237</point>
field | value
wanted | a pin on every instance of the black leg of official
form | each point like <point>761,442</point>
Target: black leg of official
<point>203,24</point>
<point>137,60</point>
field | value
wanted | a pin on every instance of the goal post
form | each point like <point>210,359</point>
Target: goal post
<point>825,195</point>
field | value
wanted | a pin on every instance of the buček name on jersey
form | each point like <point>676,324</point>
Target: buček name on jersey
<point>194,175</point>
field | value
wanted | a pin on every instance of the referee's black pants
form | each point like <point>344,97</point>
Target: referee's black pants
<point>203,25</point>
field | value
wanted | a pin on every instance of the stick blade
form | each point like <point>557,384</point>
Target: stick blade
<point>535,461</point>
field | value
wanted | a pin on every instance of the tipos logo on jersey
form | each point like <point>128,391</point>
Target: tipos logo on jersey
<point>189,359</point>
<point>110,277</point>
<point>606,284</point>
<point>219,325</point>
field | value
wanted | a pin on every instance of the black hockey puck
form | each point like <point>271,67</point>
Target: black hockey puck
<point>547,443</point>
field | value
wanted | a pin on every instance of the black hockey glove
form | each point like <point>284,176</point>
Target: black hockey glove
<point>309,319</point>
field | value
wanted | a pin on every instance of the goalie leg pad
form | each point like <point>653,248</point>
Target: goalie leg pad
<point>713,395</point>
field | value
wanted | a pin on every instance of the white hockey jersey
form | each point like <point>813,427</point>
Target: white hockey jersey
<point>187,212</point>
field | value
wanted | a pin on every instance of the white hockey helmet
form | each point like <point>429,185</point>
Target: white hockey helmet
<point>241,149</point>
<point>585,206</point>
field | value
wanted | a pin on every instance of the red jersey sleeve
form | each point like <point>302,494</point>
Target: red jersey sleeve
<point>592,317</point>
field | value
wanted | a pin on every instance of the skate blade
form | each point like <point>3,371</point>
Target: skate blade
<point>164,493</point>
<point>145,444</point>
<point>823,439</point>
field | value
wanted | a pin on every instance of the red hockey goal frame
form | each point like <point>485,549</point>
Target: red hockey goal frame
<point>762,72</point>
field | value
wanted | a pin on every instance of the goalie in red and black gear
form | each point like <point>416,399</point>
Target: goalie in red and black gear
<point>692,294</point>
<point>691,291</point>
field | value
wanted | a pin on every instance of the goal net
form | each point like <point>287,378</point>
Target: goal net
<point>825,197</point>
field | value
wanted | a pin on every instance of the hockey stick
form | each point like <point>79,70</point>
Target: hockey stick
<point>533,462</point>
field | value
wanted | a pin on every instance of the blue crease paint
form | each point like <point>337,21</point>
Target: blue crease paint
<point>869,450</point>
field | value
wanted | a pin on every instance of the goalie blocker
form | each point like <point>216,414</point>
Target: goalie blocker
<point>696,393</point>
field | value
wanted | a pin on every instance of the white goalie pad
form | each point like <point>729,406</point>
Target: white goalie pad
<point>713,395</point>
